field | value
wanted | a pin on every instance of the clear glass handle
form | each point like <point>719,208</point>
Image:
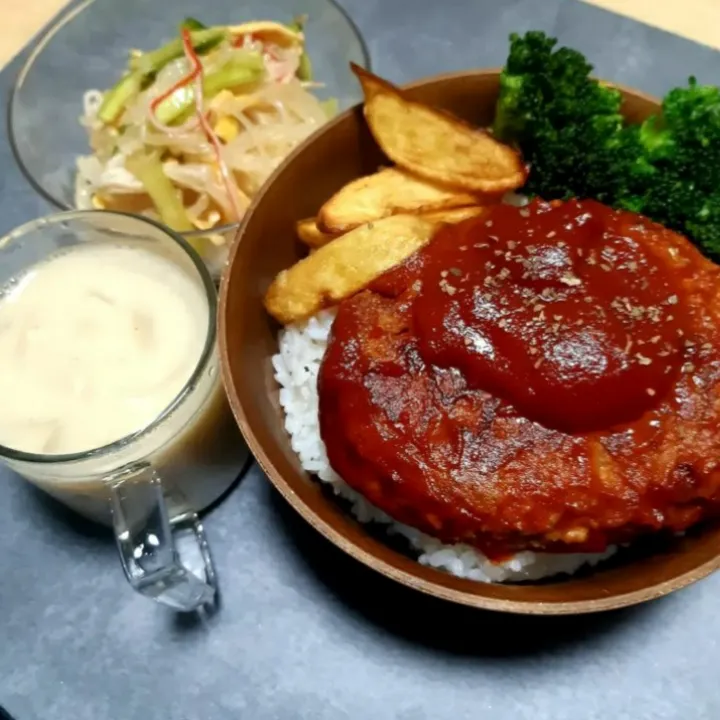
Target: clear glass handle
<point>166,559</point>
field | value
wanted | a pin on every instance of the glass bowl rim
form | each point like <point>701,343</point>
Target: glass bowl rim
<point>209,344</point>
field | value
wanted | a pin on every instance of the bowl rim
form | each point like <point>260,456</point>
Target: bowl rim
<point>432,588</point>
<point>41,41</point>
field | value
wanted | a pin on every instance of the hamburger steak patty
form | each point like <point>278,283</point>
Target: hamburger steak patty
<point>542,378</point>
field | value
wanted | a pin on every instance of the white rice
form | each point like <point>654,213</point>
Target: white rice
<point>296,368</point>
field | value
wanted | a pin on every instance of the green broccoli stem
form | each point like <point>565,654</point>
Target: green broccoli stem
<point>508,125</point>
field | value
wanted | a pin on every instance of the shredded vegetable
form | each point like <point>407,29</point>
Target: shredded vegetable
<point>194,128</point>
<point>197,74</point>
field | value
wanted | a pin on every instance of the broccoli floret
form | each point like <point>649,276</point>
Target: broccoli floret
<point>683,148</point>
<point>674,199</point>
<point>656,139</point>
<point>687,136</point>
<point>570,129</point>
<point>568,126</point>
<point>704,226</point>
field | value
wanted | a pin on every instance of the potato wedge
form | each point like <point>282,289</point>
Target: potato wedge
<point>435,144</point>
<point>344,266</point>
<point>388,192</point>
<point>311,235</point>
<point>453,216</point>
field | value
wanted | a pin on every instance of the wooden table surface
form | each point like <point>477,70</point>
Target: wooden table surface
<point>695,19</point>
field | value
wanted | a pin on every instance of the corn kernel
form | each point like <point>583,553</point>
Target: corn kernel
<point>227,128</point>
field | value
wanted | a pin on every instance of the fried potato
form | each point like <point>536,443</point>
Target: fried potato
<point>388,192</point>
<point>345,266</point>
<point>456,215</point>
<point>435,144</point>
<point>311,235</point>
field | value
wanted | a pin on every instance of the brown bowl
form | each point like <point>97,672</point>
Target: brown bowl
<point>342,151</point>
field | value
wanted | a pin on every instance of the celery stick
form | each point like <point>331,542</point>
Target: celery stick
<point>304,71</point>
<point>170,109</point>
<point>116,99</point>
<point>155,60</point>
<point>148,169</point>
<point>145,65</point>
<point>233,74</point>
<point>190,23</point>
<point>298,23</point>
<point>330,107</point>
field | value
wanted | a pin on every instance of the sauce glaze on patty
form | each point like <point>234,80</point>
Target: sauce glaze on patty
<point>544,378</point>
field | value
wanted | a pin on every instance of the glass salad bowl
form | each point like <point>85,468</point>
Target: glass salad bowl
<point>174,159</point>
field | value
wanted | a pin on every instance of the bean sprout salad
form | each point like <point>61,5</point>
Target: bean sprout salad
<point>194,128</point>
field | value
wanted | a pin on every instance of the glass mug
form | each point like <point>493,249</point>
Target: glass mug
<point>149,485</point>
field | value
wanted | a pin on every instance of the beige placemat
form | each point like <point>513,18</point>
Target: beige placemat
<point>21,19</point>
<point>698,20</point>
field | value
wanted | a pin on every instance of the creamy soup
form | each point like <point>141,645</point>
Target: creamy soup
<point>95,344</point>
